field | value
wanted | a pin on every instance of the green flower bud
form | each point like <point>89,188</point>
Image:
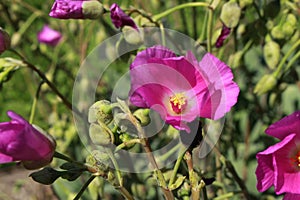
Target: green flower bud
<point>230,14</point>
<point>143,116</point>
<point>132,35</point>
<point>101,111</point>
<point>100,134</point>
<point>277,32</point>
<point>291,19</point>
<point>288,30</point>
<point>272,54</point>
<point>244,3</point>
<point>235,60</point>
<point>92,9</point>
<point>265,84</point>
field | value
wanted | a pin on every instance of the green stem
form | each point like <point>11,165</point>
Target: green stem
<point>192,177</point>
<point>177,164</point>
<point>115,163</point>
<point>125,193</point>
<point>291,62</point>
<point>209,29</point>
<point>127,143</point>
<point>84,187</point>
<point>34,103</point>
<point>185,5</point>
<point>283,60</point>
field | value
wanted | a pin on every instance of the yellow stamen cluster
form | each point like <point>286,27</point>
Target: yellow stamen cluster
<point>178,102</point>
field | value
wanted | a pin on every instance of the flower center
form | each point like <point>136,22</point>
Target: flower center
<point>178,102</point>
<point>295,160</point>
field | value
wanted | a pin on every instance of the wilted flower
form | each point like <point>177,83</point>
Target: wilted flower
<point>4,41</point>
<point>20,141</point>
<point>49,36</point>
<point>180,88</point>
<point>279,165</point>
<point>76,9</point>
<point>223,36</point>
<point>119,18</point>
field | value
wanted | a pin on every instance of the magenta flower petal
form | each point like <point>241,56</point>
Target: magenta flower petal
<point>285,126</point>
<point>119,18</point>
<point>190,89</point>
<point>223,36</point>
<point>222,90</point>
<point>49,36</point>
<point>67,9</point>
<point>272,163</point>
<point>20,141</point>
<point>291,196</point>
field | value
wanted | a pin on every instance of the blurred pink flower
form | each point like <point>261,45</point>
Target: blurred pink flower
<point>20,141</point>
<point>223,36</point>
<point>49,36</point>
<point>4,41</point>
<point>279,165</point>
<point>119,18</point>
<point>180,88</point>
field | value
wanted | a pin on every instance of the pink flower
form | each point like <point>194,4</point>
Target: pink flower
<point>49,36</point>
<point>119,18</point>
<point>4,41</point>
<point>180,88</point>
<point>279,165</point>
<point>20,141</point>
<point>223,36</point>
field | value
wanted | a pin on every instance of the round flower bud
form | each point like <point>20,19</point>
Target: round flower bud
<point>132,35</point>
<point>265,84</point>
<point>143,116</point>
<point>101,111</point>
<point>230,14</point>
<point>272,54</point>
<point>92,9</point>
<point>100,134</point>
<point>4,41</point>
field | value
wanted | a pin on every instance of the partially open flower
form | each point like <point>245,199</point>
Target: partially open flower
<point>76,9</point>
<point>4,41</point>
<point>223,36</point>
<point>279,165</point>
<point>180,88</point>
<point>20,141</point>
<point>119,18</point>
<point>49,36</point>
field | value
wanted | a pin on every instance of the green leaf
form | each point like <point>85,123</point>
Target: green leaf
<point>7,67</point>
<point>46,176</point>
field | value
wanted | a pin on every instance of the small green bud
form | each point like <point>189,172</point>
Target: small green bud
<point>235,60</point>
<point>271,54</point>
<point>288,30</point>
<point>143,116</point>
<point>132,35</point>
<point>230,14</point>
<point>277,32</point>
<point>46,176</point>
<point>244,3</point>
<point>92,9</point>
<point>265,84</point>
<point>101,111</point>
<point>100,134</point>
<point>291,19</point>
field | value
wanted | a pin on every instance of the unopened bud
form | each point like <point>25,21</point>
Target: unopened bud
<point>101,111</point>
<point>100,134</point>
<point>92,9</point>
<point>272,54</point>
<point>143,116</point>
<point>4,41</point>
<point>265,84</point>
<point>230,14</point>
<point>132,35</point>
<point>277,32</point>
